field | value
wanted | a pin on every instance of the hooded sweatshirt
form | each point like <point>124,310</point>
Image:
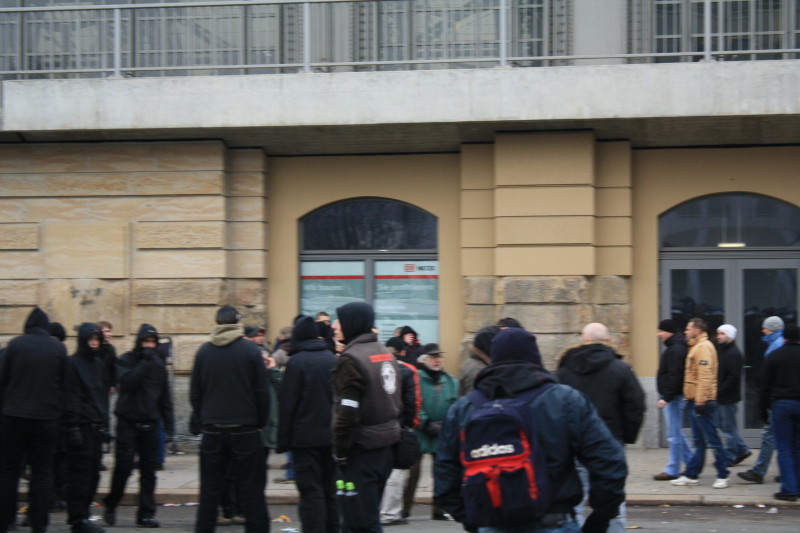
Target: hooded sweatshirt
<point>229,380</point>
<point>144,395</point>
<point>33,372</point>
<point>87,393</point>
<point>597,371</point>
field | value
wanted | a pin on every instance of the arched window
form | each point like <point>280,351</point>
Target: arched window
<point>731,220</point>
<point>377,250</point>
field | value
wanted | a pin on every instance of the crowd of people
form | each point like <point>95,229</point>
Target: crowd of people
<point>356,416</point>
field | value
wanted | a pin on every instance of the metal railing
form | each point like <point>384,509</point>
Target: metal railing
<point>280,36</point>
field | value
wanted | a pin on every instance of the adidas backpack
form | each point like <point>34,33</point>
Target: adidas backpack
<point>505,470</point>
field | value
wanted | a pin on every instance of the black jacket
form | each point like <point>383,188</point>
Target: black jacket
<point>229,380</point>
<point>108,356</point>
<point>144,395</point>
<point>87,393</point>
<point>33,372</point>
<point>306,396</point>
<point>781,377</point>
<point>597,371</point>
<point>729,374</point>
<point>571,429</point>
<point>669,381</point>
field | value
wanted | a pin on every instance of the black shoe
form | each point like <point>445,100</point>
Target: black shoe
<point>109,516</point>
<point>86,526</point>
<point>785,497</point>
<point>741,458</point>
<point>103,467</point>
<point>148,522</point>
<point>404,514</point>
<point>441,516</point>
<point>752,476</point>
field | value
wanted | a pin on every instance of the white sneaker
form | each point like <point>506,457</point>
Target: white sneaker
<point>684,481</point>
<point>720,483</point>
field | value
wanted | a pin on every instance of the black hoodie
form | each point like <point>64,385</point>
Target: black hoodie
<point>669,380</point>
<point>144,395</point>
<point>33,372</point>
<point>87,394</point>
<point>597,371</point>
<point>306,395</point>
<point>355,318</point>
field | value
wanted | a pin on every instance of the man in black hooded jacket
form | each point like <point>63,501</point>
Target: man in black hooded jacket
<point>33,376</point>
<point>86,427</point>
<point>367,409</point>
<point>144,397</point>
<point>304,427</point>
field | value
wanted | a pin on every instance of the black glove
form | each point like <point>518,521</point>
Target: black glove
<point>595,524</point>
<point>433,428</point>
<point>705,409</point>
<point>75,437</point>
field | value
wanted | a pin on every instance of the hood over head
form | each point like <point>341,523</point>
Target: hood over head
<point>145,330</point>
<point>515,344</point>
<point>305,328</point>
<point>85,332</point>
<point>588,358</point>
<point>408,329</point>
<point>57,330</point>
<point>510,378</point>
<point>355,318</point>
<point>37,322</point>
<point>483,339</point>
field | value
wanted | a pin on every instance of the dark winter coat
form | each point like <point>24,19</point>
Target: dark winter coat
<point>571,430</point>
<point>144,394</point>
<point>597,371</point>
<point>229,380</point>
<point>729,374</point>
<point>781,377</point>
<point>669,380</point>
<point>306,396</point>
<point>87,393</point>
<point>33,372</point>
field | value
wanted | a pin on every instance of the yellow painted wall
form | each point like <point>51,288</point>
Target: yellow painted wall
<point>299,185</point>
<point>663,179</point>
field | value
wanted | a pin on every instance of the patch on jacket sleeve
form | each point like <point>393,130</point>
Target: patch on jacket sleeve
<point>703,363</point>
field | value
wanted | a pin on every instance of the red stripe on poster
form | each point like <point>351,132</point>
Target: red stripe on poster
<point>408,277</point>
<point>332,277</point>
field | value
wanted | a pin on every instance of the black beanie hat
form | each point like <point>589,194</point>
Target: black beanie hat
<point>57,330</point>
<point>483,339</point>
<point>668,325</point>
<point>515,344</point>
<point>227,314</point>
<point>355,318</point>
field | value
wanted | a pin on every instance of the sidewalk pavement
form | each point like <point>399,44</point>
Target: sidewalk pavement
<point>179,482</point>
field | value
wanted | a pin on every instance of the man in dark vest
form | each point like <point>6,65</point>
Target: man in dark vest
<point>367,407</point>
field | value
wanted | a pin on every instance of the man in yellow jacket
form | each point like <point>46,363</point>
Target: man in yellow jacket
<point>700,393</point>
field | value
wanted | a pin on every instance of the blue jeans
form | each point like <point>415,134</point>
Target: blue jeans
<point>725,417</point>
<point>680,451</point>
<point>569,526</point>
<point>617,524</point>
<point>767,447</point>
<point>786,424</point>
<point>704,433</point>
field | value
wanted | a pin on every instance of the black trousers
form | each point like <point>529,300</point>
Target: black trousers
<point>36,440</point>
<point>360,507</point>
<point>142,440</point>
<point>83,473</point>
<point>314,475</point>
<point>238,451</point>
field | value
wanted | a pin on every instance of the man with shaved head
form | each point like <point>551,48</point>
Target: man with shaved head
<point>596,369</point>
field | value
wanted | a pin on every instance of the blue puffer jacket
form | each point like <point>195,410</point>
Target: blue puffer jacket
<point>572,430</point>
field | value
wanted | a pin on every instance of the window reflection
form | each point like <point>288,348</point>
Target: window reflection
<point>731,219</point>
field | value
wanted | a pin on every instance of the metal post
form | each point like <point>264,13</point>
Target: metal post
<point>503,29</point>
<point>707,30</point>
<point>117,40</point>
<point>306,37</point>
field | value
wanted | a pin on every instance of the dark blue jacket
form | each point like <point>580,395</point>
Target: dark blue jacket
<point>572,430</point>
<point>87,389</point>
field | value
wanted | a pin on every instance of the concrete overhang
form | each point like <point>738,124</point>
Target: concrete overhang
<point>679,104</point>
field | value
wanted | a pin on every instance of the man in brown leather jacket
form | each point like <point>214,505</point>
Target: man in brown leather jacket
<point>367,408</point>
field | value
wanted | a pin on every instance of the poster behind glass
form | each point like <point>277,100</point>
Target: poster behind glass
<point>326,285</point>
<point>407,294</point>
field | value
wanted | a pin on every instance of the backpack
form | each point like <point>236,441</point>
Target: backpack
<point>506,481</point>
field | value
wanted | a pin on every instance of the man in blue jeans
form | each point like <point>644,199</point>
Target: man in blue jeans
<point>772,329</point>
<point>700,390</point>
<point>729,385</point>
<point>669,382</point>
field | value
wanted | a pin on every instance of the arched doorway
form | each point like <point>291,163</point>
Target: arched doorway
<point>375,249</point>
<point>732,258</point>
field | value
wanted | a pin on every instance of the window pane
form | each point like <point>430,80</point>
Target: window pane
<point>369,224</point>
<point>698,294</point>
<point>407,294</point>
<point>741,219</point>
<point>326,285</point>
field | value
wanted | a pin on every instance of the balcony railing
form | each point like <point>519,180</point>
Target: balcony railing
<point>278,36</point>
